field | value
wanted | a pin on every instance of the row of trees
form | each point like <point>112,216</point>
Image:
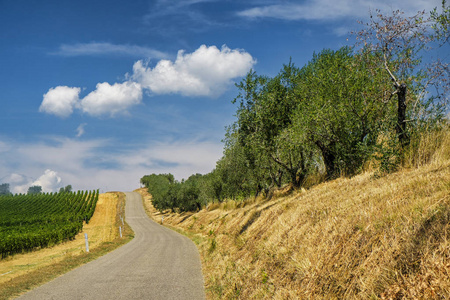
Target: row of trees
<point>167,193</point>
<point>35,189</point>
<point>329,117</point>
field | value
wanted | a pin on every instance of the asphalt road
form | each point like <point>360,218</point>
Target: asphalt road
<point>157,264</point>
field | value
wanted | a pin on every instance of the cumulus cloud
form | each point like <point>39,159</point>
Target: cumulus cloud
<point>49,181</point>
<point>112,99</point>
<point>60,101</point>
<point>324,10</point>
<point>96,49</point>
<point>105,99</point>
<point>205,72</point>
<point>17,183</point>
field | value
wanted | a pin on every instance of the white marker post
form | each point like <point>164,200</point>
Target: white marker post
<point>87,243</point>
<point>120,231</point>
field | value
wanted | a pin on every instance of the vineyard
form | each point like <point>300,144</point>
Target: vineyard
<point>32,221</point>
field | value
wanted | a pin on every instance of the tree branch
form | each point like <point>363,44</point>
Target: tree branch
<point>396,84</point>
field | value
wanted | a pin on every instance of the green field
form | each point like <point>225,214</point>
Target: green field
<point>34,221</point>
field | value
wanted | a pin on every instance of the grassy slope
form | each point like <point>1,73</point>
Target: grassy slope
<point>361,238</point>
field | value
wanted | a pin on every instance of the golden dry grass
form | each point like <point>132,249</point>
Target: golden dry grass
<point>352,238</point>
<point>103,228</point>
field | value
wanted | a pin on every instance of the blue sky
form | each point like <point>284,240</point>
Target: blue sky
<point>97,94</point>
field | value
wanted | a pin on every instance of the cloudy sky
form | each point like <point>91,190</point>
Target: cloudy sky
<point>97,94</point>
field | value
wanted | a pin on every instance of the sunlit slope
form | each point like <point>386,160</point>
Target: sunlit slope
<point>359,237</point>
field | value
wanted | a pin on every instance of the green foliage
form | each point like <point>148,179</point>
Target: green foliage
<point>341,113</point>
<point>40,220</point>
<point>4,189</point>
<point>327,118</point>
<point>441,23</point>
<point>66,189</point>
<point>167,193</point>
<point>36,189</point>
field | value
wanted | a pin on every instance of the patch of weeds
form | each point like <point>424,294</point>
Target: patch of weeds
<point>193,223</point>
<point>212,245</point>
<point>215,288</point>
<point>358,227</point>
<point>237,289</point>
<point>264,277</point>
<point>388,157</point>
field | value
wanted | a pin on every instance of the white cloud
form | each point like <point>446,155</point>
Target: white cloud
<point>17,183</point>
<point>208,71</point>
<point>205,72</point>
<point>60,101</point>
<point>194,156</point>
<point>325,10</point>
<point>70,158</point>
<point>97,49</point>
<point>16,178</point>
<point>80,129</point>
<point>105,99</point>
<point>49,181</point>
<point>91,164</point>
<point>112,99</point>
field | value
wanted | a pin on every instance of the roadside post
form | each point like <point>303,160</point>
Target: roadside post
<point>87,243</point>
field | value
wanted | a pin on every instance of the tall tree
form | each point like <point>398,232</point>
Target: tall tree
<point>264,116</point>
<point>341,109</point>
<point>159,186</point>
<point>35,189</point>
<point>400,43</point>
<point>66,189</point>
<point>4,189</point>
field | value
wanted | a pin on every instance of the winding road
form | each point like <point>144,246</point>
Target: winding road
<point>157,264</point>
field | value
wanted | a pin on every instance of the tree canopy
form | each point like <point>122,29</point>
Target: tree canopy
<point>4,189</point>
<point>330,117</point>
<point>35,189</point>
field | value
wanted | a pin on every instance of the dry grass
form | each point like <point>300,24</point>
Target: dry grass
<point>358,238</point>
<point>23,271</point>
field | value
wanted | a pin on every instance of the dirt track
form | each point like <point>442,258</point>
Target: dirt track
<point>157,264</point>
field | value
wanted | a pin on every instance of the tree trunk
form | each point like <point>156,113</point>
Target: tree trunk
<point>401,116</point>
<point>328,159</point>
<point>295,181</point>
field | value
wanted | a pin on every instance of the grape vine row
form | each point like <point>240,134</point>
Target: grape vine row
<point>28,222</point>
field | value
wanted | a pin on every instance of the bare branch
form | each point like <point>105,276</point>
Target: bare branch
<point>396,84</point>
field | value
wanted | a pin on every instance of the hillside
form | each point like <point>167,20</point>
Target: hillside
<point>356,238</point>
